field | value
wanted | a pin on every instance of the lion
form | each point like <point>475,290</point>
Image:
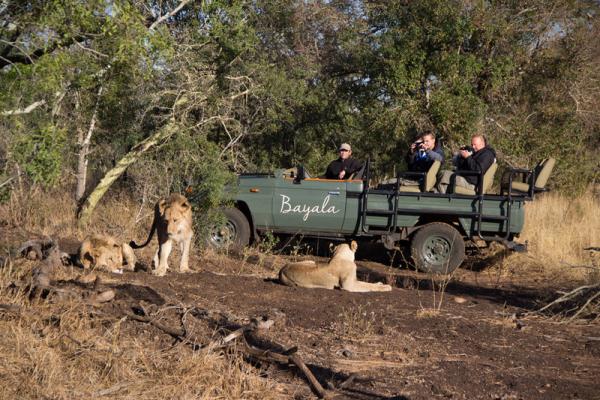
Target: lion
<point>339,272</point>
<point>104,252</point>
<point>172,222</point>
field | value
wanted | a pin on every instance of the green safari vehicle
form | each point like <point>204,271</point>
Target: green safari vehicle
<point>289,201</point>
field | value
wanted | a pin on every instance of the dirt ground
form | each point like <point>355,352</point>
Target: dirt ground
<point>464,340</point>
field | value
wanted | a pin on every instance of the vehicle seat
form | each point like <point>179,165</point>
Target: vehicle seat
<point>290,172</point>
<point>428,182</point>
<point>488,180</point>
<point>542,173</point>
<point>358,174</point>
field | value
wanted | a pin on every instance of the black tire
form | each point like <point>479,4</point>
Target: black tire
<point>234,233</point>
<point>437,248</point>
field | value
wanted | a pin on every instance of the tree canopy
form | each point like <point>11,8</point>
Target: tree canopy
<point>194,87</point>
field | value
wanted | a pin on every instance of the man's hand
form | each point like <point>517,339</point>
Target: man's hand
<point>465,153</point>
<point>342,174</point>
<point>413,147</point>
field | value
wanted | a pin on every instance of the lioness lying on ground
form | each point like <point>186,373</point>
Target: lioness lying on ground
<point>103,252</point>
<point>172,222</point>
<point>339,272</point>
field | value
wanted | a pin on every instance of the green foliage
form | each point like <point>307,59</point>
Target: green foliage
<point>280,83</point>
<point>194,167</point>
<point>41,154</point>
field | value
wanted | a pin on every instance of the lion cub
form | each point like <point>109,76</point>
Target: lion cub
<point>103,252</point>
<point>172,222</point>
<point>339,272</point>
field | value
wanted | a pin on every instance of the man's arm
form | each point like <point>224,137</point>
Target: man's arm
<point>333,170</point>
<point>486,160</point>
<point>482,163</point>
<point>354,166</point>
<point>435,156</point>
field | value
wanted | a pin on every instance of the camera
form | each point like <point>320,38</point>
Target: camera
<point>468,148</point>
<point>418,143</point>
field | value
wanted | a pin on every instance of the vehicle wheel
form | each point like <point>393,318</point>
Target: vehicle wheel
<point>438,248</point>
<point>235,232</point>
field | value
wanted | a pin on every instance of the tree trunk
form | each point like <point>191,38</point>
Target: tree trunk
<point>84,149</point>
<point>111,176</point>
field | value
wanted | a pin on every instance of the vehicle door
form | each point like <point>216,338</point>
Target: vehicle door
<point>309,205</point>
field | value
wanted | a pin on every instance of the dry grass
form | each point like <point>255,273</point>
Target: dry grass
<point>54,213</point>
<point>558,230</point>
<point>428,312</point>
<point>69,350</point>
<point>357,324</point>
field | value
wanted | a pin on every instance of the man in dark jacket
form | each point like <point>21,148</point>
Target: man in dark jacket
<point>479,158</point>
<point>344,166</point>
<point>423,152</point>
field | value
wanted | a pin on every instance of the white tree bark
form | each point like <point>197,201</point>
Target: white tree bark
<point>25,110</point>
<point>84,150</point>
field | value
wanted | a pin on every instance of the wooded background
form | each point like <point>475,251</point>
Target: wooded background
<point>157,95</point>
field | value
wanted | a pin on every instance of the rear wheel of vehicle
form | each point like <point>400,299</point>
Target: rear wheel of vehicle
<point>437,248</point>
<point>235,232</point>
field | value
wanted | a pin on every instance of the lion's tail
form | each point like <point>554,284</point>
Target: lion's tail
<point>134,245</point>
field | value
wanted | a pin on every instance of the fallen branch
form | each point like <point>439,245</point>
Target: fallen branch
<point>174,332</point>
<point>575,302</point>
<point>25,110</point>
<point>267,355</point>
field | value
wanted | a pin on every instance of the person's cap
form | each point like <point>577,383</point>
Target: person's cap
<point>345,146</point>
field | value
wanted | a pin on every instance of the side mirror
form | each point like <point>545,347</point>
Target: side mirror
<point>300,175</point>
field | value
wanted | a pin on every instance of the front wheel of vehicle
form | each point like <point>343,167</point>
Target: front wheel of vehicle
<point>437,248</point>
<point>235,232</point>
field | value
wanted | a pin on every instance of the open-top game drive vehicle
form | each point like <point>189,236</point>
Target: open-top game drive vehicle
<point>289,201</point>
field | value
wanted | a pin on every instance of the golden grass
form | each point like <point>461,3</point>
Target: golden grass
<point>71,350</point>
<point>54,213</point>
<point>558,229</point>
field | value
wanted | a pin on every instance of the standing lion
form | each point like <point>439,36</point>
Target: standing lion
<point>172,222</point>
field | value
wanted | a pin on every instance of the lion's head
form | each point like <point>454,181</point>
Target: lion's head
<point>345,251</point>
<point>176,212</point>
<point>104,252</point>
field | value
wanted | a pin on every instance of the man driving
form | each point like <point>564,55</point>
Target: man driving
<point>344,166</point>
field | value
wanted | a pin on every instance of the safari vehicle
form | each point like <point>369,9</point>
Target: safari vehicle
<point>436,226</point>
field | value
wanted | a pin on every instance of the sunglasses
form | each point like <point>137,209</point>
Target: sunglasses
<point>343,150</point>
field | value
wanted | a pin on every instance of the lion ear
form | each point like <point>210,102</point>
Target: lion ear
<point>354,246</point>
<point>185,204</point>
<point>162,204</point>
<point>128,256</point>
<point>87,259</point>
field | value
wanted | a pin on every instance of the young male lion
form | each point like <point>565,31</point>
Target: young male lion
<point>339,272</point>
<point>172,222</point>
<point>103,252</point>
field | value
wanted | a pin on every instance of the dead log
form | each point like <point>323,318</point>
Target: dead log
<point>42,249</point>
